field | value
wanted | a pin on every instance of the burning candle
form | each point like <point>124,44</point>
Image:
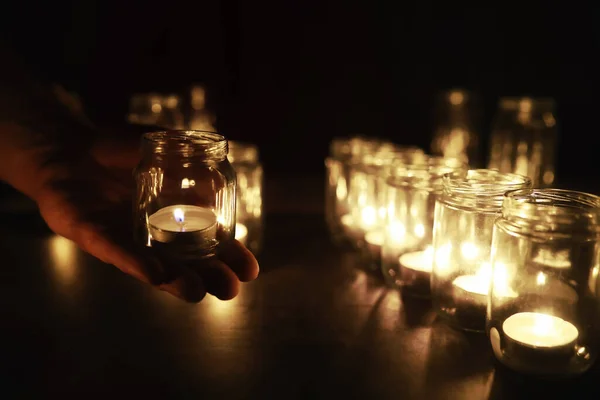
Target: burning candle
<point>241,233</point>
<point>535,342</point>
<point>420,261</point>
<point>470,294</point>
<point>183,222</point>
<point>415,270</point>
<point>541,331</point>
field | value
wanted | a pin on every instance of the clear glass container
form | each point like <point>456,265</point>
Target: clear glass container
<point>185,195</point>
<point>244,157</point>
<point>523,139</point>
<point>366,198</point>
<point>343,154</point>
<point>407,252</point>
<point>546,255</point>
<point>464,219</point>
<point>456,130</point>
<point>155,109</point>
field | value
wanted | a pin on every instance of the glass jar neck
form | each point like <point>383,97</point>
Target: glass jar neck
<point>424,175</point>
<point>199,145</point>
<point>480,189</point>
<point>552,212</point>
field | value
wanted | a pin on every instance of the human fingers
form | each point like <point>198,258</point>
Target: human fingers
<point>241,260</point>
<point>218,278</point>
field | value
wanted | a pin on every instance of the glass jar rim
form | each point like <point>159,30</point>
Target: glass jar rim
<point>426,174</point>
<point>481,188</point>
<point>552,211</point>
<point>187,143</point>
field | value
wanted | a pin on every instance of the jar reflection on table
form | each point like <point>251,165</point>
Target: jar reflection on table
<point>342,154</point>
<point>185,198</point>
<point>462,239</point>
<point>411,192</point>
<point>548,241</point>
<point>456,130</point>
<point>367,202</point>
<point>157,110</point>
<point>523,140</point>
<point>244,158</point>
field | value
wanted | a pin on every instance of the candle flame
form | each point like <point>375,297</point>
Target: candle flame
<point>179,215</point>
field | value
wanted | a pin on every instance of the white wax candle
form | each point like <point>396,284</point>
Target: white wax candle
<point>472,284</point>
<point>479,284</point>
<point>540,330</point>
<point>172,221</point>
<point>421,261</point>
<point>241,232</point>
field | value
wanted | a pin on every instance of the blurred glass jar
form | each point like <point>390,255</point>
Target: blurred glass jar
<point>456,127</point>
<point>185,195</point>
<point>407,252</point>
<point>462,238</point>
<point>343,153</point>
<point>157,110</point>
<point>244,158</point>
<point>366,198</point>
<point>546,249</point>
<point>523,139</point>
<point>200,117</point>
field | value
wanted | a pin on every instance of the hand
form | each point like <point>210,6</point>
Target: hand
<point>89,202</point>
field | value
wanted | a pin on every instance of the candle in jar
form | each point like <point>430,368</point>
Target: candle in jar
<point>374,240</point>
<point>421,261</point>
<point>182,221</point>
<point>477,286</point>
<point>540,330</point>
<point>241,233</point>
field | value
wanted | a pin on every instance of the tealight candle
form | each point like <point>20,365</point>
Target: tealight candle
<point>536,340</point>
<point>183,221</point>
<point>470,293</point>
<point>182,232</point>
<point>415,270</point>
<point>241,233</point>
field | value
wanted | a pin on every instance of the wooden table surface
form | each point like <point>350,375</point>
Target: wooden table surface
<point>313,325</point>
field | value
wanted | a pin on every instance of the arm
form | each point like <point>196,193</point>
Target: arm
<point>39,134</point>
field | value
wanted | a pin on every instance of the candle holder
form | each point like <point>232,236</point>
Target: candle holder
<point>462,237</point>
<point>548,241</point>
<point>523,139</point>
<point>407,252</point>
<point>185,196</point>
<point>367,200</point>
<point>244,158</point>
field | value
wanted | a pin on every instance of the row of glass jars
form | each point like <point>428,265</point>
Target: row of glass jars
<point>491,252</point>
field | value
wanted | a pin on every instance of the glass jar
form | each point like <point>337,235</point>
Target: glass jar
<point>343,154</point>
<point>244,158</point>
<point>523,139</point>
<point>185,195</point>
<point>407,252</point>
<point>456,130</point>
<point>366,198</point>
<point>462,238</point>
<point>546,254</point>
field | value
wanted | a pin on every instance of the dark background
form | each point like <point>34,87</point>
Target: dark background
<point>291,75</point>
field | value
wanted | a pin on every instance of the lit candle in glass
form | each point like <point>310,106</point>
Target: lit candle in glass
<point>551,239</point>
<point>411,191</point>
<point>183,222</point>
<point>464,220</point>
